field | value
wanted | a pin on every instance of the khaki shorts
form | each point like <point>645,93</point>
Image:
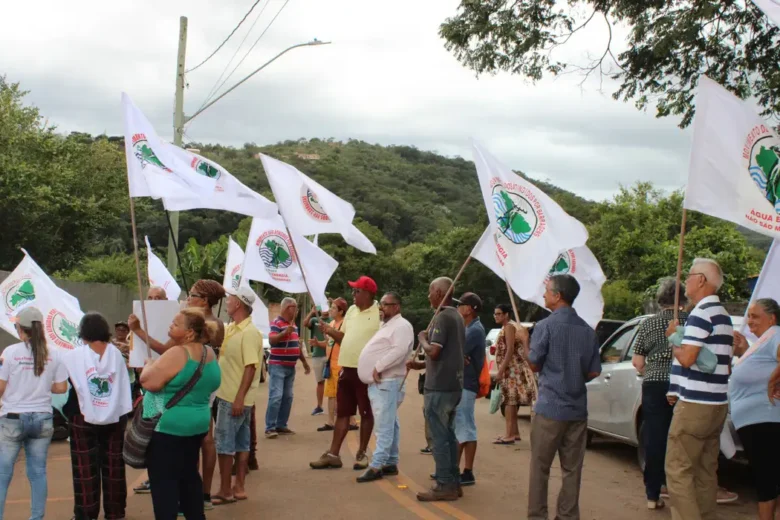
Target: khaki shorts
<point>318,366</point>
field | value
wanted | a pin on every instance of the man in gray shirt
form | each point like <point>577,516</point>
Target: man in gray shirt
<point>443,387</point>
<point>565,351</point>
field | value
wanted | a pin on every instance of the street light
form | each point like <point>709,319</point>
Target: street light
<point>179,119</point>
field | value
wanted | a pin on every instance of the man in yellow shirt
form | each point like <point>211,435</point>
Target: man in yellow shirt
<point>239,359</point>
<point>360,324</point>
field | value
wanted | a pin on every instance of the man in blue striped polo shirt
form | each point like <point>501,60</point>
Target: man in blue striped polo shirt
<point>699,385</point>
<point>285,353</point>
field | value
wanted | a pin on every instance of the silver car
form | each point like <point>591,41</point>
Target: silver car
<point>615,397</point>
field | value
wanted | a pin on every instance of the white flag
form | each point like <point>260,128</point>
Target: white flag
<point>28,285</point>
<point>235,260</point>
<point>270,258</point>
<point>228,193</point>
<point>771,8</point>
<point>529,228</point>
<point>734,172</point>
<point>159,276</point>
<point>310,209</point>
<point>579,262</point>
<point>767,285</point>
<point>152,171</point>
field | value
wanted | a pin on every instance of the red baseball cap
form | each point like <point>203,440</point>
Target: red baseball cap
<point>365,283</point>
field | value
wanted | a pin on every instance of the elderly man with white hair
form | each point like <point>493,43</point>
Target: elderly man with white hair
<point>699,385</point>
<point>285,353</point>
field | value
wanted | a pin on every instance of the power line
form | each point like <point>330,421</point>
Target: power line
<point>252,47</point>
<point>226,39</point>
<point>214,87</point>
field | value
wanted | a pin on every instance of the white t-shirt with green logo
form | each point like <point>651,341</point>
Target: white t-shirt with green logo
<point>25,392</point>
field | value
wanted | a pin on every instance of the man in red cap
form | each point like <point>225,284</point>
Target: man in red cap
<point>360,324</point>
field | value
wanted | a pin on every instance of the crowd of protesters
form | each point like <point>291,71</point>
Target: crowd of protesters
<point>202,392</point>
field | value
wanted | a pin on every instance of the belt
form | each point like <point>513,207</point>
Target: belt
<point>12,416</point>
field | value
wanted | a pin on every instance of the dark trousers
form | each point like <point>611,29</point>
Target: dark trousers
<point>253,435</point>
<point>657,416</point>
<point>96,458</point>
<point>174,477</point>
<point>440,418</point>
<point>763,454</point>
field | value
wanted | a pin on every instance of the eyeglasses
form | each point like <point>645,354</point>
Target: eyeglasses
<point>696,274</point>
<point>195,295</point>
<point>388,304</point>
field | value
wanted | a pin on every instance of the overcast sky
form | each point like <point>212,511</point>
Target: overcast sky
<point>385,79</point>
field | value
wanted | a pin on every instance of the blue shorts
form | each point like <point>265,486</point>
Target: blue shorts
<point>465,425</point>
<point>231,435</point>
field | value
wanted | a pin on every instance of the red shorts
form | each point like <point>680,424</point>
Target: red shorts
<point>352,395</point>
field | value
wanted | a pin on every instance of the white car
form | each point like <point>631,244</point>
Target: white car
<point>264,361</point>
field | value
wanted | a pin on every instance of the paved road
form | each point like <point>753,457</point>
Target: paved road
<point>286,488</point>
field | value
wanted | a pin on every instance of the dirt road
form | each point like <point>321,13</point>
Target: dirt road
<point>285,487</point>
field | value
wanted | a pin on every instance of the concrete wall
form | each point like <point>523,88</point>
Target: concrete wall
<point>115,302</point>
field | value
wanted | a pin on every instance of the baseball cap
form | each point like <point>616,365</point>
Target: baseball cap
<point>243,293</point>
<point>27,316</point>
<point>470,299</point>
<point>341,303</point>
<point>365,283</point>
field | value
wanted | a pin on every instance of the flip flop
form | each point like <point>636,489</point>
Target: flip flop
<point>218,500</point>
<point>504,442</point>
<point>240,497</point>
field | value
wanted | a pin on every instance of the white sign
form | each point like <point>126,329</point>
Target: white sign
<point>160,314</point>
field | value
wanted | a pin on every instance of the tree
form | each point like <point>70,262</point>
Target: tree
<point>670,44</point>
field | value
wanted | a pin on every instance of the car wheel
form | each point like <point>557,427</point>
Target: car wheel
<point>263,370</point>
<point>640,450</point>
<point>589,439</point>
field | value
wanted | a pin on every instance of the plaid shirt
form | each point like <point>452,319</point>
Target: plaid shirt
<point>651,342</point>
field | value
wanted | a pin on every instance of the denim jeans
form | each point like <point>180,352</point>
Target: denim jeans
<point>33,431</point>
<point>440,417</point>
<point>280,396</point>
<point>385,398</point>
<point>657,415</point>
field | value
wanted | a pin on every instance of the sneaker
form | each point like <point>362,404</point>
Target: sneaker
<point>285,431</point>
<point>438,494</point>
<point>370,475</point>
<point>271,434</point>
<point>361,461</point>
<point>726,497</point>
<point>390,469</point>
<point>318,411</point>
<point>664,492</point>
<point>326,461</point>
<point>655,504</point>
<point>426,451</point>
<point>207,505</point>
<point>143,489</point>
<point>467,478</point>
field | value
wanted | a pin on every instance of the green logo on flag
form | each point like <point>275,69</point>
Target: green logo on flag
<point>275,250</point>
<point>204,168</point>
<point>144,153</point>
<point>517,220</point>
<point>19,293</point>
<point>762,151</point>
<point>60,330</point>
<point>312,206</point>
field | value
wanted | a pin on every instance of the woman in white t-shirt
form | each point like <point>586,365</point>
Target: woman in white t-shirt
<point>30,372</point>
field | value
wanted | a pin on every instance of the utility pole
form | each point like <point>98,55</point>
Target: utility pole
<point>178,135</point>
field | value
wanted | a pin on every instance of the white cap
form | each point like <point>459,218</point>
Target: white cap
<point>27,316</point>
<point>243,293</point>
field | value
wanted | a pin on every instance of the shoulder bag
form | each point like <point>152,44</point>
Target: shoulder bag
<point>139,431</point>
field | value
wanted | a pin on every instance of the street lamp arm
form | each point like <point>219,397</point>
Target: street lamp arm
<point>228,91</point>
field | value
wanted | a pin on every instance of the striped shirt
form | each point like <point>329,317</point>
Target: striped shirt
<point>286,352</point>
<point>708,326</point>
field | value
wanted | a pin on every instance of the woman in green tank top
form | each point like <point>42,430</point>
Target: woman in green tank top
<point>175,445</point>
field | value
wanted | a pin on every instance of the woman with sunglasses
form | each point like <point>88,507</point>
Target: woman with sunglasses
<point>514,374</point>
<point>204,295</point>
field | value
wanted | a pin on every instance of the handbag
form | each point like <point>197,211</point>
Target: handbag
<point>139,432</point>
<point>495,399</point>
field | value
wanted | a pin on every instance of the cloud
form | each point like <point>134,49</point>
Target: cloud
<point>386,78</point>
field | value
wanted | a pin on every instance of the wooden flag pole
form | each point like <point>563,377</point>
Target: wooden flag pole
<point>144,325</point>
<point>512,300</point>
<point>449,292</point>
<point>679,265</point>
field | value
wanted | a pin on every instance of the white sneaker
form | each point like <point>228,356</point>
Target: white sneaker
<point>655,504</point>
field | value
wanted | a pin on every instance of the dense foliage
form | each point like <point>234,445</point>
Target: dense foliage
<point>65,201</point>
<point>670,43</point>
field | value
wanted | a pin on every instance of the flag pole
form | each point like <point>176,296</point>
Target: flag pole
<point>679,265</point>
<point>300,264</point>
<point>449,292</point>
<point>512,300</point>
<point>145,327</point>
